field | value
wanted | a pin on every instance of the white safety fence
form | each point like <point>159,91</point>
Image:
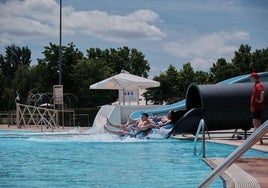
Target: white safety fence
<point>27,115</point>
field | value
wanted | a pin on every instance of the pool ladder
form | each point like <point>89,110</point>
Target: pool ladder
<point>201,127</point>
<point>43,119</point>
<point>239,151</point>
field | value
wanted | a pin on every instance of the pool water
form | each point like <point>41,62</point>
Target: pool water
<point>101,160</point>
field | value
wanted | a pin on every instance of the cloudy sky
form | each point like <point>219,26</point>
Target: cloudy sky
<point>165,31</point>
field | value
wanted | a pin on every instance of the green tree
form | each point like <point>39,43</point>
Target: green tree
<point>259,60</point>
<point>137,64</point>
<point>41,74</point>
<point>242,59</point>
<point>155,95</point>
<point>15,57</point>
<point>87,72</point>
<point>169,87</point>
<point>185,77</point>
<point>173,84</point>
<point>22,82</point>
<point>202,77</point>
<point>221,70</point>
<point>123,58</point>
<point>168,91</point>
<point>48,67</point>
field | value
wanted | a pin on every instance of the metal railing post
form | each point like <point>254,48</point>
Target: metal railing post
<point>201,126</point>
<point>252,139</point>
<point>203,140</point>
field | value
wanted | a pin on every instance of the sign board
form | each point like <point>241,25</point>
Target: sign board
<point>128,95</point>
<point>58,94</point>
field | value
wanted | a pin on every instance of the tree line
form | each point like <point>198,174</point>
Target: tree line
<point>174,83</point>
<point>81,70</point>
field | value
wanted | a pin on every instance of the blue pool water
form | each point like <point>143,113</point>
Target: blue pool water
<point>100,160</point>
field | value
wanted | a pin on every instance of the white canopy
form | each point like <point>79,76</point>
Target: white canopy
<point>126,81</point>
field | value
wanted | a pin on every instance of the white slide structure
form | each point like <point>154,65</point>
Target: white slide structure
<point>105,112</point>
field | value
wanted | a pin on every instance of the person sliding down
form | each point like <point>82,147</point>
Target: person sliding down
<point>133,129</point>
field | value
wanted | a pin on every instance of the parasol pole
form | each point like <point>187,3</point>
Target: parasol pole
<point>123,96</point>
<point>139,95</point>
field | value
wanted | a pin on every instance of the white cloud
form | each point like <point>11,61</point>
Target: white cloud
<point>23,20</point>
<point>203,50</point>
<point>115,27</point>
<point>30,19</point>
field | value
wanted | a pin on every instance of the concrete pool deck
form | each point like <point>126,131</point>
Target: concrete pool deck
<point>233,176</point>
<point>255,167</point>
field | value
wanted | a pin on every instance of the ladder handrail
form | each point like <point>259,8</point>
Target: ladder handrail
<point>252,139</point>
<point>201,126</point>
<point>46,121</point>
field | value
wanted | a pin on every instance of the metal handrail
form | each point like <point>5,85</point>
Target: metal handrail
<point>201,126</point>
<point>46,121</point>
<point>252,139</point>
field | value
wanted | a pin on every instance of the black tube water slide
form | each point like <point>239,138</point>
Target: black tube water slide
<point>222,107</point>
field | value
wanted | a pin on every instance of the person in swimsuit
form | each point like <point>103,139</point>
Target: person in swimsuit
<point>256,101</point>
<point>132,129</point>
<point>163,120</point>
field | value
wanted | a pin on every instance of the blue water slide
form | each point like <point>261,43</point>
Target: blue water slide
<point>163,110</point>
<point>159,111</point>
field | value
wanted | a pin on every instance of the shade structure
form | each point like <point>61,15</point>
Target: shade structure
<point>125,81</point>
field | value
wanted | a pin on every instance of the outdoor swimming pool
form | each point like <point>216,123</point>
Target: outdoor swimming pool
<point>103,160</point>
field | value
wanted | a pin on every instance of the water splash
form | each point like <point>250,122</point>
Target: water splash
<point>92,135</point>
<point>84,138</point>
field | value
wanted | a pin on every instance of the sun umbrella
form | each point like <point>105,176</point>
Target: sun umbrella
<point>125,81</point>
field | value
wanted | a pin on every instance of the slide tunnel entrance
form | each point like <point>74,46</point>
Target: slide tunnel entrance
<point>193,99</point>
<point>222,107</point>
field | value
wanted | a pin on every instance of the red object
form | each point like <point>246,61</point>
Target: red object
<point>255,75</point>
<point>255,95</point>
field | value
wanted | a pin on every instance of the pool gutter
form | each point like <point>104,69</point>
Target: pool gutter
<point>234,176</point>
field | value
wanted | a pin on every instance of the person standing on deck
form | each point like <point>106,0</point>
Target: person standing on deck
<point>256,101</point>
